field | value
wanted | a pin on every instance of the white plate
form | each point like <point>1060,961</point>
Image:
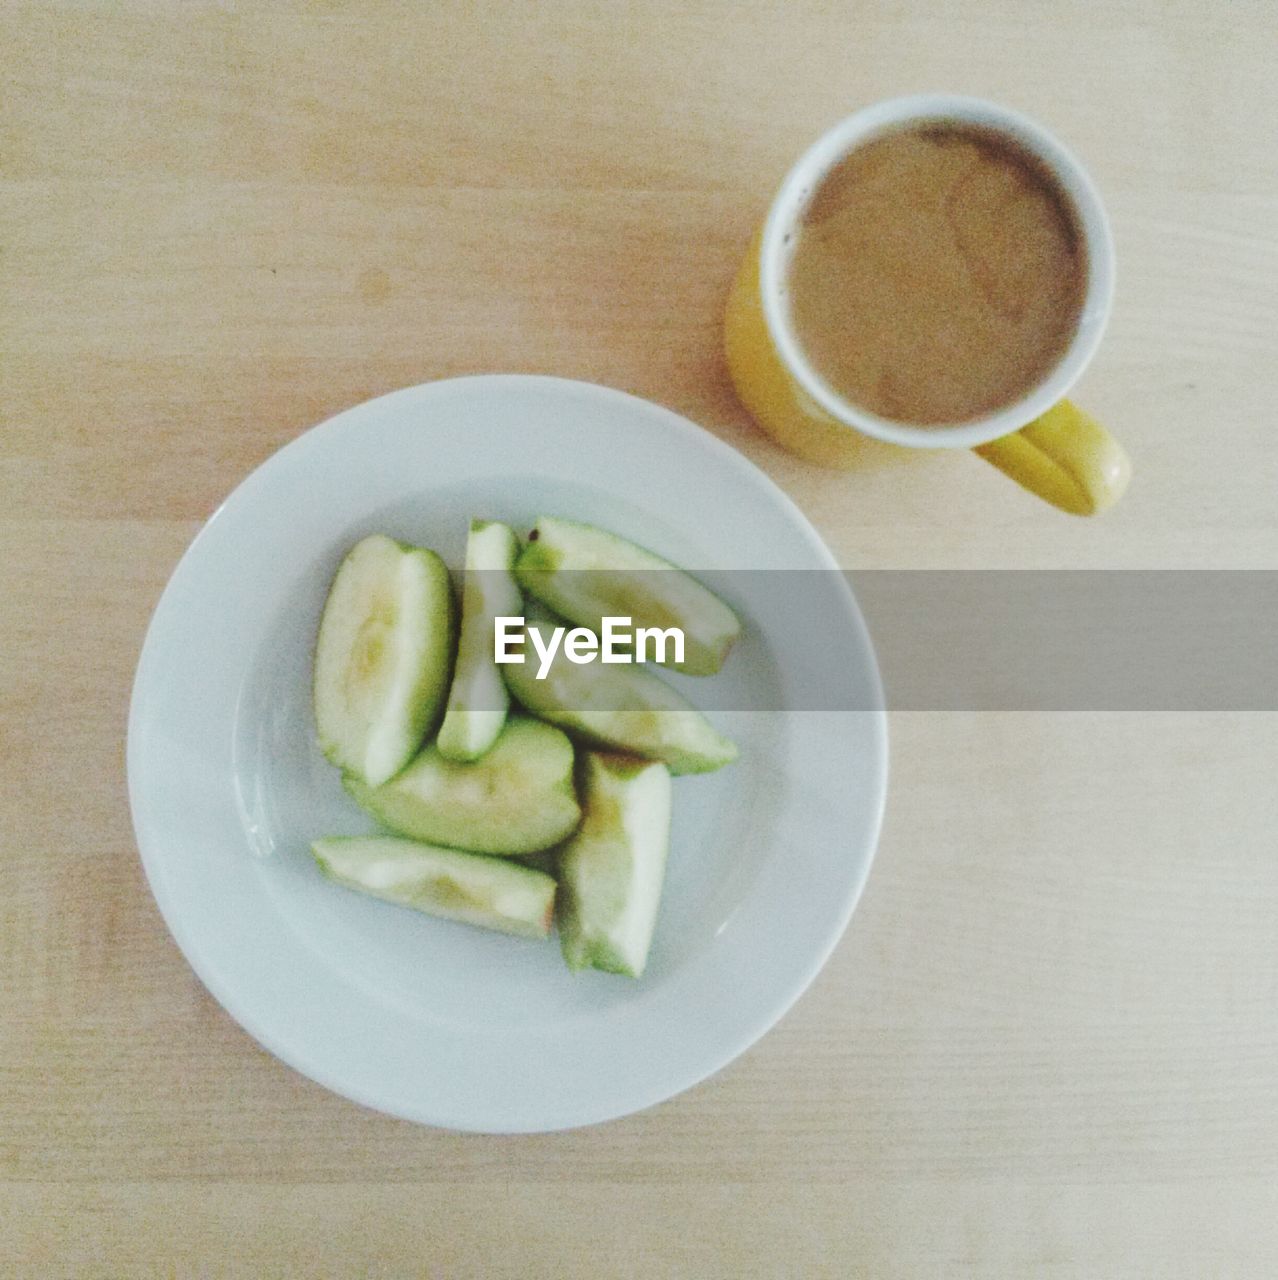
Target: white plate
<point>428,1019</point>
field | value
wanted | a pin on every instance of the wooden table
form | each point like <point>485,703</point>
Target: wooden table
<point>1048,1044</point>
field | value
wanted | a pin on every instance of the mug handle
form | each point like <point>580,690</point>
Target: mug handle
<point>1064,457</point>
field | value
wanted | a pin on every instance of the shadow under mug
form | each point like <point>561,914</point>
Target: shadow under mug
<point>1042,441</point>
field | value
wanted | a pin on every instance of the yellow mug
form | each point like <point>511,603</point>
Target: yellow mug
<point>1043,441</point>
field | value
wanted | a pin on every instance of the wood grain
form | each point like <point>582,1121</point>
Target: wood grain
<point>1047,1044</point>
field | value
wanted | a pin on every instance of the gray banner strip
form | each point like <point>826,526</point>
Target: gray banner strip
<point>1193,640</point>
<point>978,640</point>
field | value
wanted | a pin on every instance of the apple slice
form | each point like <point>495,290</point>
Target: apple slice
<point>516,799</point>
<point>489,892</point>
<point>611,871</point>
<point>477,701</point>
<point>587,574</point>
<point>623,707</point>
<point>383,656</point>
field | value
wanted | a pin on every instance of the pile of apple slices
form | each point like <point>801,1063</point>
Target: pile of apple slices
<point>496,814</point>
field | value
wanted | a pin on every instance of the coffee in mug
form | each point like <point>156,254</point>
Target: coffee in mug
<point>937,274</point>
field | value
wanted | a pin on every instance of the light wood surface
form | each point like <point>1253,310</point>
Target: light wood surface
<point>1048,1045</point>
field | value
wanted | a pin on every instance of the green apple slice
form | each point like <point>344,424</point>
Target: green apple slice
<point>587,574</point>
<point>383,657</point>
<point>611,871</point>
<point>477,701</point>
<point>518,798</point>
<point>623,707</point>
<point>489,892</point>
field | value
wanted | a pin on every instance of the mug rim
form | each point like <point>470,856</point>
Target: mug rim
<point>837,142</point>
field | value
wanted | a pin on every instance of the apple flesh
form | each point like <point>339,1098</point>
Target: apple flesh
<point>516,799</point>
<point>626,708</point>
<point>586,574</point>
<point>382,657</point>
<point>611,871</point>
<point>477,700</point>
<point>490,892</point>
